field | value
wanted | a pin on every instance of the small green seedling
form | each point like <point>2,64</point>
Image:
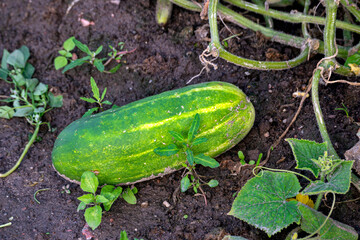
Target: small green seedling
<point>268,202</point>
<point>7,224</point>
<point>96,98</point>
<point>185,145</point>
<point>108,195</point>
<point>123,236</point>
<point>29,98</point>
<point>345,109</point>
<point>67,61</point>
<point>251,162</point>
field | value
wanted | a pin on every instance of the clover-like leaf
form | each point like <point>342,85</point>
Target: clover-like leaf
<point>213,183</point>
<point>304,151</point>
<point>60,62</point>
<point>262,202</point>
<point>69,44</point>
<point>311,221</point>
<point>338,181</point>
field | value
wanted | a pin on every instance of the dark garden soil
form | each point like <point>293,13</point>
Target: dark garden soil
<point>165,59</point>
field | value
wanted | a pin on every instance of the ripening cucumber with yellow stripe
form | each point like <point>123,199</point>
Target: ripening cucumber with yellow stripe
<point>118,144</point>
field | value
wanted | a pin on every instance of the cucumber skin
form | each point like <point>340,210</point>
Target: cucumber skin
<point>118,144</point>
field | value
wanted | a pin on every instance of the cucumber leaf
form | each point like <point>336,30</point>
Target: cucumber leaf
<point>304,151</point>
<point>311,220</point>
<point>262,202</point>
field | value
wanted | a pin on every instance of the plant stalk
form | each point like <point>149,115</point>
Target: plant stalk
<point>293,18</point>
<point>351,7</point>
<point>276,36</point>
<point>27,147</point>
<point>217,49</point>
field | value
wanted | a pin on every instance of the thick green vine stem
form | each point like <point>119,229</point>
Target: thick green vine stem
<point>351,7</point>
<point>318,112</point>
<point>27,147</point>
<point>293,18</point>
<point>217,49</point>
<point>276,36</point>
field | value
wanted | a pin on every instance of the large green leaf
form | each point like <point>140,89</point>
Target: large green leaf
<point>338,181</point>
<point>93,216</point>
<point>304,151</point>
<point>89,182</point>
<point>262,202</point>
<point>6,112</point>
<point>311,220</point>
<point>16,59</point>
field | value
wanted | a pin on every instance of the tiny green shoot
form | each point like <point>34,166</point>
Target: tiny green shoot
<point>123,236</point>
<point>184,145</point>
<point>29,98</point>
<point>108,195</point>
<point>345,109</point>
<point>96,98</point>
<point>69,60</point>
<point>40,190</point>
<point>251,162</point>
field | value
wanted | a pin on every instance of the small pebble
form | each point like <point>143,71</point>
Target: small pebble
<point>166,204</point>
<point>267,134</point>
<point>145,204</point>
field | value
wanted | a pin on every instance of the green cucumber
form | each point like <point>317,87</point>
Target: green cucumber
<point>118,144</point>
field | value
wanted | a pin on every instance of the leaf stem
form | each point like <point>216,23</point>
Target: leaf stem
<point>27,147</point>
